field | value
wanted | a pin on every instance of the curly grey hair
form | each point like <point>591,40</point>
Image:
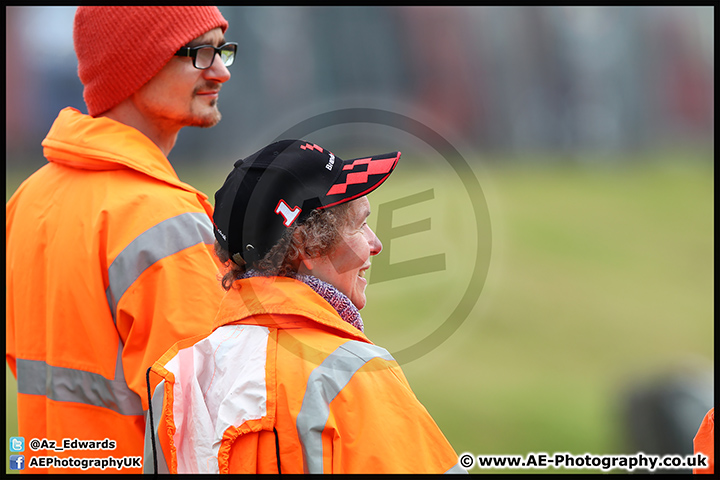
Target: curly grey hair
<point>316,236</point>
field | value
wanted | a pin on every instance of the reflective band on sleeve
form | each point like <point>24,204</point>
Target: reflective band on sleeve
<point>324,384</point>
<point>61,384</point>
<point>157,409</point>
<point>163,240</point>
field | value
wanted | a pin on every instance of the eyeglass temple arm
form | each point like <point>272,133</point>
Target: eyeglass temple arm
<point>183,52</point>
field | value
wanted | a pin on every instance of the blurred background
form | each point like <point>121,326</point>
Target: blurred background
<point>561,298</point>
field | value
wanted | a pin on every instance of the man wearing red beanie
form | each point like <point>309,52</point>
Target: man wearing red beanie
<point>109,255</point>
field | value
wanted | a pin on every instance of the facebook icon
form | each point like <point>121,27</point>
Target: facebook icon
<point>17,462</point>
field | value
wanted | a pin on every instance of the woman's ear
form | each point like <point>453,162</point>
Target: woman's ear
<point>304,261</point>
<point>306,264</point>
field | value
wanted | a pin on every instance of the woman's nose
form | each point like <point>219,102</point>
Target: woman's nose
<point>375,244</point>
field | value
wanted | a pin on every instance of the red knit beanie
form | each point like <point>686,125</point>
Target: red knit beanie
<point>119,49</point>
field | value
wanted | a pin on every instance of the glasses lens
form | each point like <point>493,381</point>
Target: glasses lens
<point>204,58</point>
<point>228,54</point>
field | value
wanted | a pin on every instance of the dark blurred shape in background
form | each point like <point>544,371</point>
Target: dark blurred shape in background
<point>662,414</point>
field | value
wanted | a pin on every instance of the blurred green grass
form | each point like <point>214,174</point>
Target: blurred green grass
<point>600,275</point>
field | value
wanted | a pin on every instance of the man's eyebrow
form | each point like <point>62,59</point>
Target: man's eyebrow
<point>204,41</point>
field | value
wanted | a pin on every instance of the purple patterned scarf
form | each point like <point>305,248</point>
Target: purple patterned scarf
<point>338,300</point>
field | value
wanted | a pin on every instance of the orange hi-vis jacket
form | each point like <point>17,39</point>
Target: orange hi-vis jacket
<point>704,442</point>
<point>109,263</point>
<point>283,384</point>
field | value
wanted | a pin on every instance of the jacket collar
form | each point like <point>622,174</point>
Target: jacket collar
<point>271,301</point>
<point>80,141</point>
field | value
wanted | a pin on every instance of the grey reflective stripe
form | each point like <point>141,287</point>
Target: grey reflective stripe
<point>163,240</point>
<point>324,384</point>
<point>456,469</point>
<point>157,405</point>
<point>61,384</point>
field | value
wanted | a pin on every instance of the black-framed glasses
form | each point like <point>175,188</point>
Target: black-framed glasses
<point>204,55</point>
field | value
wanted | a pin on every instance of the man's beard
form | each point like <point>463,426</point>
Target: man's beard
<point>207,120</point>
